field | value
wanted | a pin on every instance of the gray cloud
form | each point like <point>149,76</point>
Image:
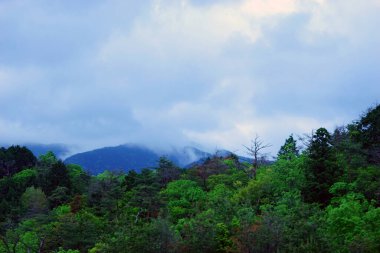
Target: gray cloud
<point>166,73</point>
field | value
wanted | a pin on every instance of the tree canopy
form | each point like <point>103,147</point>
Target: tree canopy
<point>325,198</point>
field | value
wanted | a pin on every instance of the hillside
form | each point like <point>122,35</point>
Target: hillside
<point>325,198</point>
<point>132,157</point>
<point>122,158</point>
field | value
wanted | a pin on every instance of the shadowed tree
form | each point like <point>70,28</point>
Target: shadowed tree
<point>14,159</point>
<point>367,132</point>
<point>211,166</point>
<point>34,202</point>
<point>322,170</point>
<point>167,171</point>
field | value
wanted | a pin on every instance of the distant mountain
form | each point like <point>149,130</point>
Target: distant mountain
<point>123,157</point>
<point>184,156</point>
<point>219,153</point>
<point>128,157</point>
<point>59,150</point>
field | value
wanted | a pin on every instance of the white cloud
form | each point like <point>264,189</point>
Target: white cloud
<point>177,72</point>
<point>273,130</point>
<point>176,31</point>
<point>265,8</point>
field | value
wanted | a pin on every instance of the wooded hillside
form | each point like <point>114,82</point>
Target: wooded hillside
<point>323,197</point>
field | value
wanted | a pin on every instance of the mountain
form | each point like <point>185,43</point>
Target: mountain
<point>59,150</point>
<point>123,157</point>
<point>185,156</point>
<point>219,153</point>
<point>128,157</point>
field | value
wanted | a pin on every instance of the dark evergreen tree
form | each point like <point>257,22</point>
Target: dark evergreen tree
<point>167,171</point>
<point>145,195</point>
<point>104,192</point>
<point>58,176</point>
<point>211,166</point>
<point>289,150</point>
<point>14,159</point>
<point>367,132</point>
<point>130,180</point>
<point>322,170</point>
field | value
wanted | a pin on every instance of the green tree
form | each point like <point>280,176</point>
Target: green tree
<point>14,159</point>
<point>155,236</point>
<point>104,192</point>
<point>167,171</point>
<point>79,178</point>
<point>58,176</point>
<point>289,150</point>
<point>184,199</point>
<point>24,178</point>
<point>80,230</point>
<point>211,166</point>
<point>11,189</point>
<point>367,182</point>
<point>322,170</point>
<point>142,201</point>
<point>130,180</point>
<point>353,225</point>
<point>219,199</point>
<point>199,233</point>
<point>34,202</point>
<point>233,179</point>
<point>367,132</point>
<point>59,196</point>
<point>52,173</point>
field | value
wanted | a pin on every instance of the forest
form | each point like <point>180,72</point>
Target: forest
<point>320,194</point>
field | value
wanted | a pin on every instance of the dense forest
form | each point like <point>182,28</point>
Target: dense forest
<point>321,194</point>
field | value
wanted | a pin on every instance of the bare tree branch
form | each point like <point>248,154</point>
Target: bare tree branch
<point>254,150</point>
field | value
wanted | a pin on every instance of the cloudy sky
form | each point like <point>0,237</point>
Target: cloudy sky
<point>171,73</point>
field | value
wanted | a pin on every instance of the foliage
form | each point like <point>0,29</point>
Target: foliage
<point>184,199</point>
<point>34,201</point>
<point>167,171</point>
<point>325,199</point>
<point>14,159</point>
<point>289,150</point>
<point>366,131</point>
<point>322,170</point>
<point>353,224</point>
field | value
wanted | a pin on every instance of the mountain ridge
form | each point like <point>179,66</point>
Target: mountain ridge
<point>136,157</point>
<point>126,157</point>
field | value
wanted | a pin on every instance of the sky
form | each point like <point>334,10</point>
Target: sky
<point>171,73</point>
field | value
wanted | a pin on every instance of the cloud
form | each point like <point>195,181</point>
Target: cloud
<point>163,72</point>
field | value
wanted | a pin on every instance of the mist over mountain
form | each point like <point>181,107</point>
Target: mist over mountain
<point>136,157</point>
<point>186,155</point>
<point>132,157</point>
<point>125,157</point>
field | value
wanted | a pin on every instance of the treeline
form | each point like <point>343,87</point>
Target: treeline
<point>324,197</point>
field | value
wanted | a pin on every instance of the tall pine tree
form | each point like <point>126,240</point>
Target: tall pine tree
<point>289,150</point>
<point>322,169</point>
